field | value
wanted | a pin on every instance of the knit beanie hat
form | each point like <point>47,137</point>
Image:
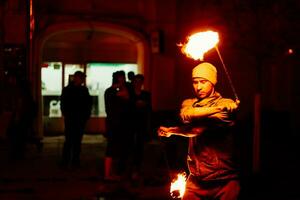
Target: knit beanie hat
<point>207,71</point>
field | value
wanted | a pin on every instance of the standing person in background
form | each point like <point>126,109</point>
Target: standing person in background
<point>118,107</point>
<point>129,83</point>
<point>208,119</point>
<point>130,76</point>
<point>76,105</point>
<point>141,121</point>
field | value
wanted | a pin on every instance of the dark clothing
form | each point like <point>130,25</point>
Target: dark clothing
<point>141,126</point>
<point>221,190</point>
<point>142,108</point>
<point>76,102</point>
<point>211,154</point>
<point>118,123</point>
<point>73,137</point>
<point>76,106</point>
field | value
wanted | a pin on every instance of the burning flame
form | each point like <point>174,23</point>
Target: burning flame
<point>178,186</point>
<point>199,43</point>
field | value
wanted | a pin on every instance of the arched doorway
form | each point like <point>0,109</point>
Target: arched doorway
<point>82,46</point>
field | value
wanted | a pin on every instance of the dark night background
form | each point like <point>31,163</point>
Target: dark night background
<point>259,42</point>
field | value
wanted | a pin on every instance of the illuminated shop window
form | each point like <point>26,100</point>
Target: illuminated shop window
<point>99,78</point>
<point>51,76</point>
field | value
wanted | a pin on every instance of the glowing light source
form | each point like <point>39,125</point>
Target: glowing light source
<point>32,22</point>
<point>178,186</point>
<point>199,43</point>
<point>290,51</point>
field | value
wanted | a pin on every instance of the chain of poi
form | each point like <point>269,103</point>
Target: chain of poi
<point>228,75</point>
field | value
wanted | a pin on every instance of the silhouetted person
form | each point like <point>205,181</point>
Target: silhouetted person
<point>76,104</point>
<point>130,76</point>
<point>118,108</point>
<point>141,121</point>
<point>129,83</point>
<point>208,119</point>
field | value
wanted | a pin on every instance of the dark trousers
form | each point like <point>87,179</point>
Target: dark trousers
<point>139,140</point>
<point>74,130</point>
<point>216,190</point>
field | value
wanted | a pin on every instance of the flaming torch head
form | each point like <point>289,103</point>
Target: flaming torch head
<point>199,43</point>
<point>178,186</point>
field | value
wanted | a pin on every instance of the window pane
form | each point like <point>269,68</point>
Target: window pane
<point>51,76</point>
<point>99,78</point>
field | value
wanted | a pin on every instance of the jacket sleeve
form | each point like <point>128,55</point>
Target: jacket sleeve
<point>189,112</point>
<point>214,117</point>
<point>63,101</point>
<point>224,118</point>
<point>89,103</point>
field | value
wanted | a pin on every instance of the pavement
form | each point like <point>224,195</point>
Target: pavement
<point>38,175</point>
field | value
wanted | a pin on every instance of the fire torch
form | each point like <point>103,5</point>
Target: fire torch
<point>198,44</point>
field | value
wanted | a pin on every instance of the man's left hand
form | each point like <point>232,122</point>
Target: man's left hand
<point>230,107</point>
<point>164,131</point>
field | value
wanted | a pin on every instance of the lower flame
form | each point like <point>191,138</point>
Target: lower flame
<point>178,186</point>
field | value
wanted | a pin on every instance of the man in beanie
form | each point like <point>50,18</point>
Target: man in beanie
<point>208,121</point>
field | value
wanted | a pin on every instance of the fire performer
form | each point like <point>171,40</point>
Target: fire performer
<point>208,121</point>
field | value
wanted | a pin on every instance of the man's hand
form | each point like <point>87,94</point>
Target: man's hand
<point>185,131</point>
<point>186,114</point>
<point>219,115</point>
<point>164,131</point>
<point>230,106</point>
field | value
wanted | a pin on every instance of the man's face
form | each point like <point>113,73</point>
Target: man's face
<point>121,80</point>
<point>78,80</point>
<point>138,83</point>
<point>202,87</point>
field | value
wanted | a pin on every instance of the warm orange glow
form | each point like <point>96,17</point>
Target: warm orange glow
<point>199,43</point>
<point>178,186</point>
<point>290,51</point>
<point>31,19</point>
